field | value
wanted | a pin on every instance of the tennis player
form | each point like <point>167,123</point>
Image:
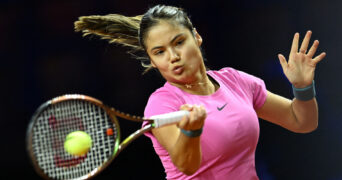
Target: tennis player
<point>219,137</point>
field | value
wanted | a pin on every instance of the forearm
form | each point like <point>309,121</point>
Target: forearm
<point>306,114</point>
<point>186,154</point>
<point>182,141</point>
<point>294,115</point>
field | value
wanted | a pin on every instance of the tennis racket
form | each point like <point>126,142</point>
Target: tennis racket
<point>56,118</point>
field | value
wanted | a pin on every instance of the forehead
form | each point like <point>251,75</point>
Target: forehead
<point>163,32</point>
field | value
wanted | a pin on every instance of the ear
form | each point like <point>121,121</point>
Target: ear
<point>198,37</point>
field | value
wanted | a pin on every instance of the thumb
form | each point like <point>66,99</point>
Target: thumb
<point>183,123</point>
<point>282,61</point>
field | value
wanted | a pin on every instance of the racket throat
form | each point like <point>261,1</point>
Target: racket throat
<point>132,137</point>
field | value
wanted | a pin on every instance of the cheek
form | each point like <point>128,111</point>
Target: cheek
<point>193,55</point>
<point>159,64</point>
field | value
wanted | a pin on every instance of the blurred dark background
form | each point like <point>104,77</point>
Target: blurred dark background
<point>42,57</point>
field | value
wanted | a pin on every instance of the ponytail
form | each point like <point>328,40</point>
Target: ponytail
<point>116,28</point>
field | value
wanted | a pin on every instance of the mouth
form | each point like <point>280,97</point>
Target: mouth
<point>178,70</point>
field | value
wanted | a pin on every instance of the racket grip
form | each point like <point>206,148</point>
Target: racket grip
<point>168,118</point>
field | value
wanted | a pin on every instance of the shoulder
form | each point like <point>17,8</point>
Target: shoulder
<point>165,93</point>
<point>163,100</point>
<point>251,86</point>
<point>231,75</point>
<point>230,72</point>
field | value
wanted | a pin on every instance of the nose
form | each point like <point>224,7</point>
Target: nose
<point>174,56</point>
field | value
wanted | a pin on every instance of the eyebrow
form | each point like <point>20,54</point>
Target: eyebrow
<point>173,39</point>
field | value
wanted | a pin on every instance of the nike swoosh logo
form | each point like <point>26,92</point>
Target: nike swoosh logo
<point>220,108</point>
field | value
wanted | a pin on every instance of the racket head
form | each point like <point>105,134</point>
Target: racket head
<point>56,118</point>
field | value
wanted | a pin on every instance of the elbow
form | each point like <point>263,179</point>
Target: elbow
<point>308,128</point>
<point>311,128</point>
<point>189,167</point>
<point>189,170</point>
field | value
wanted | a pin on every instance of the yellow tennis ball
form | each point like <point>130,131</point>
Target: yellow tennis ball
<point>77,143</point>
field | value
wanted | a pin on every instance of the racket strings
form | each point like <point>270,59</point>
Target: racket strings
<point>58,120</point>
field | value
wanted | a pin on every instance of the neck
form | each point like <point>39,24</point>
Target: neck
<point>205,87</point>
<point>193,85</point>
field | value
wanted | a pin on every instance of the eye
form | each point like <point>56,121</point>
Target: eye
<point>158,52</point>
<point>180,42</point>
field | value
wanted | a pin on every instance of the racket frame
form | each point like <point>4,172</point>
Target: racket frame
<point>113,114</point>
<point>110,111</point>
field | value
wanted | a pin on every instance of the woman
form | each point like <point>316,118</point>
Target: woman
<point>218,139</point>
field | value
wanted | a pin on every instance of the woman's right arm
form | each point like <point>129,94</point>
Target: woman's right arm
<point>184,151</point>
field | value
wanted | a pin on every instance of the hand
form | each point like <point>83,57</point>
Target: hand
<point>196,118</point>
<point>300,68</point>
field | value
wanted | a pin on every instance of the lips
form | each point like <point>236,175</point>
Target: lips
<point>178,70</point>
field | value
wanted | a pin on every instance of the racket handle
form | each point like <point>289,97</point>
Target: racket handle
<point>168,118</point>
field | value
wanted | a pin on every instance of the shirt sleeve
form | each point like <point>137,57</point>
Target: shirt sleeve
<point>160,102</point>
<point>251,86</point>
<point>256,87</point>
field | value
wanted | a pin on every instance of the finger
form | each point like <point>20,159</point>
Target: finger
<point>282,61</point>
<point>202,110</point>
<point>184,122</point>
<point>318,58</point>
<point>186,107</point>
<point>192,113</point>
<point>305,43</point>
<point>197,121</point>
<point>313,49</point>
<point>294,47</point>
<point>195,113</point>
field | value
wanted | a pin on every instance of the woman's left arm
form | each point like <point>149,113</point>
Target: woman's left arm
<point>296,115</point>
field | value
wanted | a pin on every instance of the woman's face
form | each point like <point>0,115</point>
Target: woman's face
<point>175,52</point>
